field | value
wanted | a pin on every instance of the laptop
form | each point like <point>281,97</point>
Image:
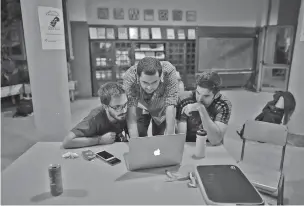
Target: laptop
<point>155,151</point>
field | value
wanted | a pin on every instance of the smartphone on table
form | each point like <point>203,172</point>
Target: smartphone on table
<point>108,157</point>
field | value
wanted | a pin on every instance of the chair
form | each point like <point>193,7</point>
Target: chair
<point>265,180</point>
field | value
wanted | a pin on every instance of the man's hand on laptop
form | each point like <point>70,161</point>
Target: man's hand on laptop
<point>108,138</point>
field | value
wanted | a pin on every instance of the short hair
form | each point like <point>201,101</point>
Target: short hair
<point>108,90</point>
<point>209,80</point>
<point>149,66</point>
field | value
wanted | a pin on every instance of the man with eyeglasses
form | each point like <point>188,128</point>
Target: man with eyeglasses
<point>204,108</point>
<point>152,90</point>
<point>105,124</point>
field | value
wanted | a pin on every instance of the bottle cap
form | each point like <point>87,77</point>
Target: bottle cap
<point>201,132</point>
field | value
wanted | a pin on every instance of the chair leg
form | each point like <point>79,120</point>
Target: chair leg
<point>280,198</point>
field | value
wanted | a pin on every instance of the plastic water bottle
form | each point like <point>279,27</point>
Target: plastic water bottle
<point>201,137</point>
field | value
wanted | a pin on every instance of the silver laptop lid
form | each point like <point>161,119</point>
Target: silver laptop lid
<point>156,151</point>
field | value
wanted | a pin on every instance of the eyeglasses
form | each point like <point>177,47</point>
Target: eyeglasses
<point>119,107</point>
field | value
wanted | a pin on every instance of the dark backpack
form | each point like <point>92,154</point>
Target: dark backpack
<point>24,108</point>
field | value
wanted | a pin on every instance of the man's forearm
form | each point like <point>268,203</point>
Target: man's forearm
<point>213,131</point>
<point>81,142</point>
<point>132,122</point>
<point>170,119</point>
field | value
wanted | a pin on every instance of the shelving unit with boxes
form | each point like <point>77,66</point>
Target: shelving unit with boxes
<point>114,49</point>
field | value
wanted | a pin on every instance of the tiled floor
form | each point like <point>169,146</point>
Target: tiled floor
<point>18,135</point>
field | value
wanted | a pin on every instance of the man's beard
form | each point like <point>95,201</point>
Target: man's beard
<point>115,117</point>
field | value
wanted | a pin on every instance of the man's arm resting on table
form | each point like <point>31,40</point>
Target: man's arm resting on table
<point>215,130</point>
<point>132,122</point>
<point>170,119</point>
<point>72,141</point>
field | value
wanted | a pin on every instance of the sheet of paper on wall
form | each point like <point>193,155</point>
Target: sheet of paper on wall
<point>122,33</point>
<point>93,33</point>
<point>133,32</point>
<point>144,33</point>
<point>51,28</point>
<point>101,33</point>
<point>181,34</point>
<point>191,33</point>
<point>170,34</point>
<point>156,33</point>
<point>110,33</point>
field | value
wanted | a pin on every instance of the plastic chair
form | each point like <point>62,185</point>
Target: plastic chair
<point>266,181</point>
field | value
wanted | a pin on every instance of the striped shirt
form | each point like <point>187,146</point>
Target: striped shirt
<point>165,95</point>
<point>219,110</point>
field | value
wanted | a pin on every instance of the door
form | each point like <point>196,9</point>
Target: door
<point>276,58</point>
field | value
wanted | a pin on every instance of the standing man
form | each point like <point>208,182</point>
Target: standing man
<point>152,91</point>
<point>204,108</point>
<point>105,124</point>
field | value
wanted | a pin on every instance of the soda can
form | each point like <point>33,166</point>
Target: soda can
<point>55,179</point>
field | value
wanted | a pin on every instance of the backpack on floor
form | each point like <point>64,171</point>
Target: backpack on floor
<point>24,108</point>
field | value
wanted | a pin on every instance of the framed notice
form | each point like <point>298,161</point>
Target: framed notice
<point>103,13</point>
<point>156,33</point>
<point>93,33</point>
<point>122,33</point>
<point>110,33</point>
<point>170,34</point>
<point>133,32</point>
<point>118,13</point>
<point>101,33</point>
<point>144,33</point>
<point>191,34</point>
<point>149,15</point>
<point>191,15</point>
<point>181,34</point>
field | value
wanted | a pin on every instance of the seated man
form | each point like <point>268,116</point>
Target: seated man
<point>103,125</point>
<point>205,108</point>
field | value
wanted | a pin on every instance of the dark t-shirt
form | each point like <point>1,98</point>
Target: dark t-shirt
<point>97,124</point>
<point>218,110</point>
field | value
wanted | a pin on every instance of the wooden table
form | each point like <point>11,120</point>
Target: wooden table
<point>26,180</point>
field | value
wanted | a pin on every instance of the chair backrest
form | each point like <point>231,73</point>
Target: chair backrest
<point>266,132</point>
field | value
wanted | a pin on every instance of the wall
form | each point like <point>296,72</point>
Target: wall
<point>77,10</point>
<point>296,79</point>
<point>289,12</point>
<point>247,13</point>
<point>243,13</point>
<point>81,68</point>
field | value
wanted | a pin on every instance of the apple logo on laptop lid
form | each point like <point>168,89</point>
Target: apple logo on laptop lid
<point>157,152</point>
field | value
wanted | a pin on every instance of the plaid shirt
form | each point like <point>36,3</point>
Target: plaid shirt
<point>165,95</point>
<point>219,110</point>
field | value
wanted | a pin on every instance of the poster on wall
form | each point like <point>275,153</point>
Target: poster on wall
<point>302,29</point>
<point>51,28</point>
